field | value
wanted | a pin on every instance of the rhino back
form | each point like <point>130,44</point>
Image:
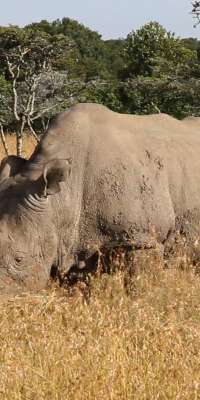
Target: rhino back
<point>130,174</point>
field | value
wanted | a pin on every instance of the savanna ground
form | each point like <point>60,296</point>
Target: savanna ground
<point>139,342</point>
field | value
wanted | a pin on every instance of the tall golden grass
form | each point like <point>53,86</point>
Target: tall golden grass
<point>140,342</point>
<point>141,345</point>
<point>28,145</point>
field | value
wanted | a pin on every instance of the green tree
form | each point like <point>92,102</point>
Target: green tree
<point>6,115</point>
<point>101,92</point>
<point>191,43</point>
<point>90,60</point>
<point>152,51</point>
<point>26,57</point>
<point>147,95</point>
<point>114,57</point>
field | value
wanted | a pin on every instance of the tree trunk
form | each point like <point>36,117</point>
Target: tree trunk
<point>19,137</point>
<point>32,130</point>
<point>3,139</point>
<point>19,143</point>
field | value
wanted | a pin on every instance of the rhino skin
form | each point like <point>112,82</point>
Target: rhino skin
<point>96,179</point>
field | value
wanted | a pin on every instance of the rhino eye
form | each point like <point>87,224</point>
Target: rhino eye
<point>18,260</point>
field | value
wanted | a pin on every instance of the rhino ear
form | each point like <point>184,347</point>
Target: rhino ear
<point>11,166</point>
<point>55,171</point>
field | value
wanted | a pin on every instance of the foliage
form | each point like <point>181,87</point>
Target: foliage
<point>46,67</point>
<point>191,43</point>
<point>102,92</point>
<point>89,46</point>
<point>114,57</point>
<point>152,51</point>
<point>144,95</point>
<point>6,115</point>
<point>26,56</point>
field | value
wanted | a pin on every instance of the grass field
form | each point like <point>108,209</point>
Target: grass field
<point>29,145</point>
<point>116,346</point>
<point>143,344</point>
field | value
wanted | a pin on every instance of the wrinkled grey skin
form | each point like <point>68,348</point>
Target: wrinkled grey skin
<point>96,179</point>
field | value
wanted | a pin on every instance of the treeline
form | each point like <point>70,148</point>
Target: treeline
<point>46,67</point>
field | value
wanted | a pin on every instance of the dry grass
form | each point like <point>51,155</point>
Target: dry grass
<point>29,145</point>
<point>142,345</point>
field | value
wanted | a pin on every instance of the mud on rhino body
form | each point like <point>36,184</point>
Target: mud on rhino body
<point>96,179</point>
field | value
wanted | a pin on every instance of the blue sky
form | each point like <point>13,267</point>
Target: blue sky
<point>111,18</point>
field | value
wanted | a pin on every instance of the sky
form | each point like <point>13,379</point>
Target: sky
<point>111,18</point>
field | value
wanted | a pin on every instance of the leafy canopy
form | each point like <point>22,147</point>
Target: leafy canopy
<point>152,51</point>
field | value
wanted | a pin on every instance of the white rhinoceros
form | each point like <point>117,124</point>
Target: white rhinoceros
<point>96,179</point>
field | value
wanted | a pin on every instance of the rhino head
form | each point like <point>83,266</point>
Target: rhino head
<point>28,231</point>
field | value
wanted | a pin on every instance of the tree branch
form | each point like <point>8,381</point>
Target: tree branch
<point>15,76</point>
<point>3,139</point>
<point>196,10</point>
<point>43,112</point>
<point>32,130</point>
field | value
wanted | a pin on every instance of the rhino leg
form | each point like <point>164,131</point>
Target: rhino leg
<point>182,246</point>
<point>123,258</point>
